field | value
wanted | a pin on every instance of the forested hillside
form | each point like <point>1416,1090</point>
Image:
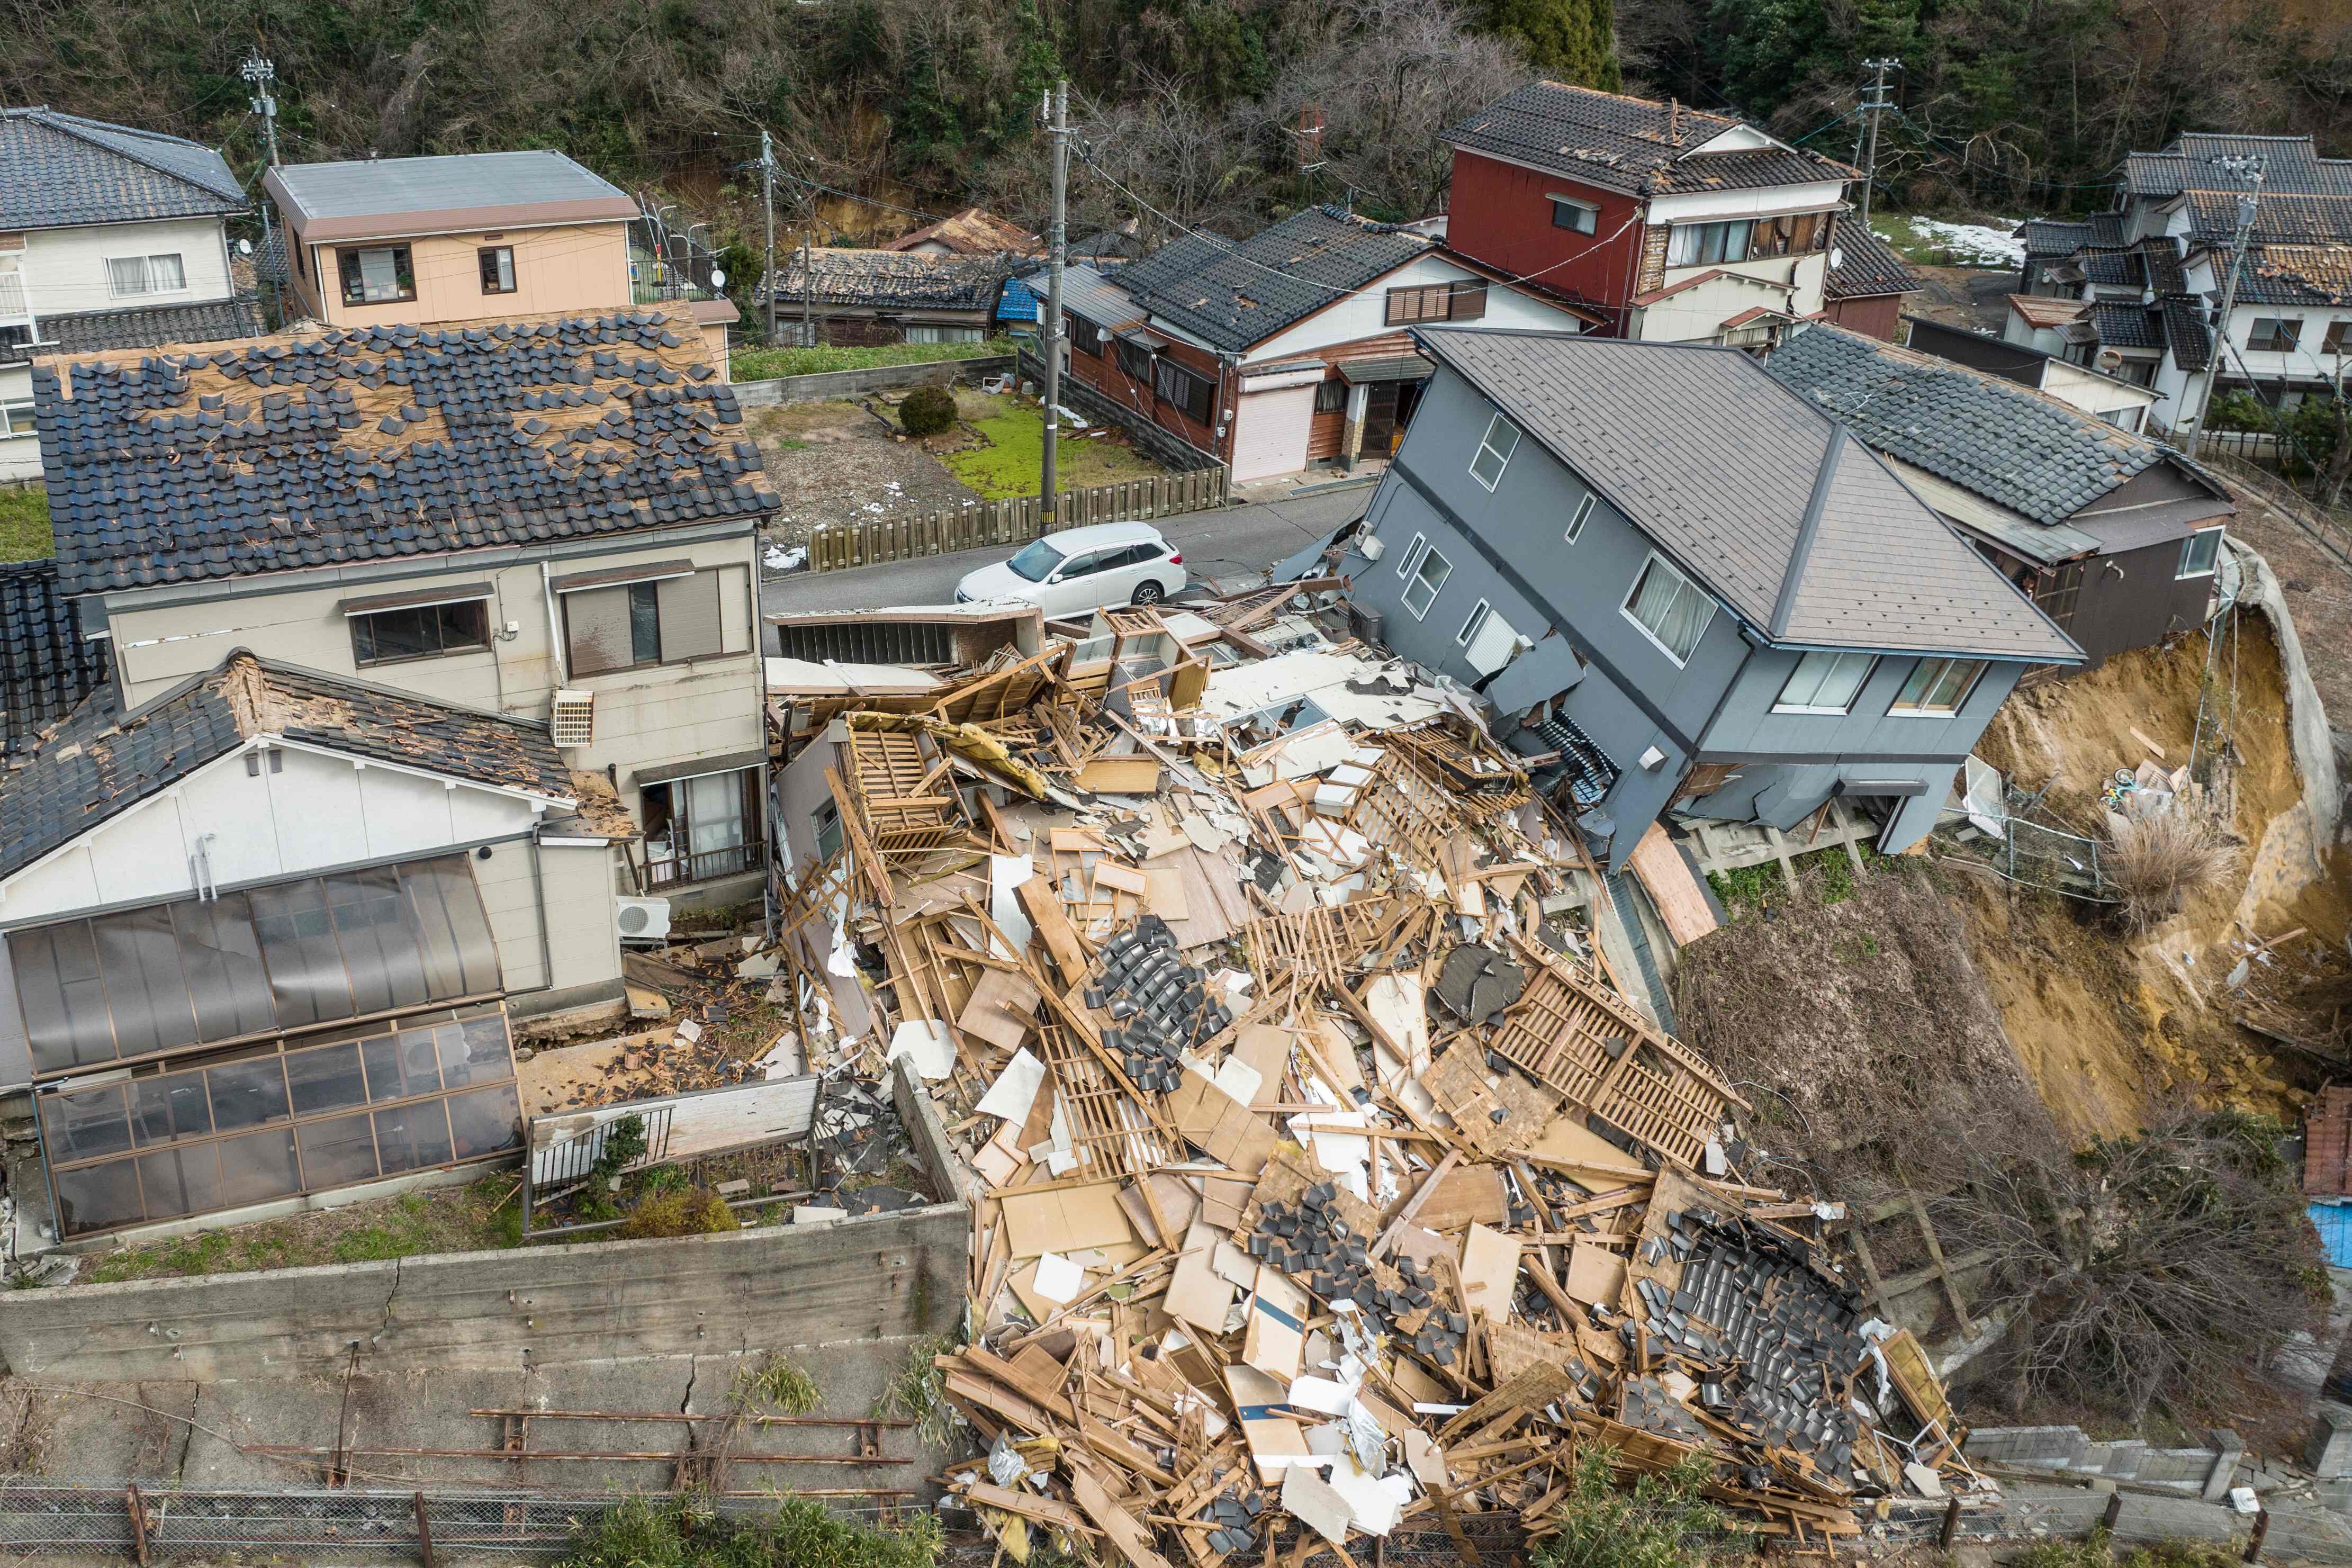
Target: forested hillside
<point>1194,107</point>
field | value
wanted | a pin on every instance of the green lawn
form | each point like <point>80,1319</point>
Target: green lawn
<point>764,365</point>
<point>24,525</point>
<point>1015,432</point>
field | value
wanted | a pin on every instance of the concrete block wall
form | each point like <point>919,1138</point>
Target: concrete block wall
<point>2199,1472</point>
<point>877,1276</point>
<point>855,383</point>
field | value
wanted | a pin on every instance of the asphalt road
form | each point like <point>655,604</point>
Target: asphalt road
<point>1228,548</point>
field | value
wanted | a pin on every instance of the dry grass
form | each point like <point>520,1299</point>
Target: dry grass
<point>2155,863</point>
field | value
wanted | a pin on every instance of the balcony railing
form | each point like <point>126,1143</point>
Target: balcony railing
<point>708,867</point>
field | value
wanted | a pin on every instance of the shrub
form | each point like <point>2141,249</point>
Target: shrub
<point>2154,863</point>
<point>927,410</point>
<point>679,1211</point>
<point>1663,1520</point>
<point>781,1382</point>
<point>640,1533</point>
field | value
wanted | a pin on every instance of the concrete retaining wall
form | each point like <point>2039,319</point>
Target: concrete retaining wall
<point>776,1286</point>
<point>855,383</point>
<point>2195,1472</point>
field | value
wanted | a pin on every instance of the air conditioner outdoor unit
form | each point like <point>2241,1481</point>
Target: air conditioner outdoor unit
<point>1369,547</point>
<point>573,719</point>
<point>642,920</point>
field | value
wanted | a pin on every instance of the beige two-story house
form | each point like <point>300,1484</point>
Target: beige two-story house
<point>550,519</point>
<point>468,237</point>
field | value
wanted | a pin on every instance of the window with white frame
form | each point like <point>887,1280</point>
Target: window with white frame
<point>1495,450</point>
<point>1428,577</point>
<point>1939,686</point>
<point>1412,556</point>
<point>1574,216</point>
<point>1576,518</point>
<point>1824,683</point>
<point>1472,626</point>
<point>2198,552</point>
<point>128,277</point>
<point>1704,244</point>
<point>1670,608</point>
<point>17,418</point>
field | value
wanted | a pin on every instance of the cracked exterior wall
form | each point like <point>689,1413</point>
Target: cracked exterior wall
<point>878,1277</point>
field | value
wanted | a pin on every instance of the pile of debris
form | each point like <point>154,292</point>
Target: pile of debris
<point>1320,1164</point>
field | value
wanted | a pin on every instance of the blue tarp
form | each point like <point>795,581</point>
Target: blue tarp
<point>1018,302</point>
<point>2333,1223</point>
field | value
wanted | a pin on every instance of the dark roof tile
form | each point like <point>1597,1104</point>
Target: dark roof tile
<point>60,170</point>
<point>1233,295</point>
<point>1866,265</point>
<point>1632,143</point>
<point>268,455</point>
<point>46,666</point>
<point>153,326</point>
<point>890,280</point>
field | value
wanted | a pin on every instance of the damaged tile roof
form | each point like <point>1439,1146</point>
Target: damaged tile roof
<point>101,760</point>
<point>2044,309</point>
<point>2052,238</point>
<point>1866,265</point>
<point>46,666</point>
<point>891,280</point>
<point>1233,296</point>
<point>2280,218</point>
<point>323,447</point>
<point>1632,143</point>
<point>60,170</point>
<point>153,326</point>
<point>972,232</point>
<point>2125,326</point>
<point>2296,274</point>
<point>1804,534</point>
<point>2011,444</point>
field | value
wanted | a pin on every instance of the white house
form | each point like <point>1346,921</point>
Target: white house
<point>110,238</point>
<point>259,935</point>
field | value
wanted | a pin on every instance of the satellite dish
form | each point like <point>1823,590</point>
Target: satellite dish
<point>244,247</point>
<point>1837,257</point>
<point>717,279</point>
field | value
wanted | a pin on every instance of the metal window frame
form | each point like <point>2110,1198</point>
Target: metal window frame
<point>1576,521</point>
<point>1473,624</point>
<point>2182,573</point>
<point>1625,608</point>
<point>1869,668</point>
<point>1412,555</point>
<point>1589,211</point>
<point>1405,599</point>
<point>1502,457</point>
<point>1898,709</point>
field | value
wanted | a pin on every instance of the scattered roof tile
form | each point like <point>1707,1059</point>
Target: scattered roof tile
<point>2296,274</point>
<point>321,447</point>
<point>891,280</point>
<point>46,666</point>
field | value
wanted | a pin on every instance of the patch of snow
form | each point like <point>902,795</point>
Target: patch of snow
<point>779,558</point>
<point>1971,244</point>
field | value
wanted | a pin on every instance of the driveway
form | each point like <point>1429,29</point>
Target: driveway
<point>1226,549</point>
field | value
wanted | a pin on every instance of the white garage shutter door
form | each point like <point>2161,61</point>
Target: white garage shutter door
<point>1271,435</point>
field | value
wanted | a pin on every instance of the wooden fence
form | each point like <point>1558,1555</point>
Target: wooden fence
<point>1011,523</point>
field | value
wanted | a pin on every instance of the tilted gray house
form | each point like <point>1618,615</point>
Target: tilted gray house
<point>1688,583</point>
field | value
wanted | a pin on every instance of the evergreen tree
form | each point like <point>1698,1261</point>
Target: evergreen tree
<point>1567,40</point>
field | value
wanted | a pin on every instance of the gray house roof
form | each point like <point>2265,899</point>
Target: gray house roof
<point>60,170</point>
<point>1866,265</point>
<point>210,322</point>
<point>2011,444</point>
<point>378,187</point>
<point>1804,534</point>
<point>102,761</point>
<point>1233,296</point>
<point>276,454</point>
<point>1632,143</point>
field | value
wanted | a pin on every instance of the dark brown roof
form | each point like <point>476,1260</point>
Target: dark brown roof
<point>282,453</point>
<point>972,232</point>
<point>102,761</point>
<point>1632,143</point>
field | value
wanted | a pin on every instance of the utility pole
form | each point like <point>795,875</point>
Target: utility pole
<point>768,208</point>
<point>1872,107</point>
<point>2248,171</point>
<point>1057,124</point>
<point>260,74</point>
<point>808,297</point>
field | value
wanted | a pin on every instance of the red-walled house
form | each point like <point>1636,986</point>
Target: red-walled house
<point>1290,347</point>
<point>1676,227</point>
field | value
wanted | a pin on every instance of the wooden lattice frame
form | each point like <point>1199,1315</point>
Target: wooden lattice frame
<point>1560,1030</point>
<point>1111,1134</point>
<point>1399,805</point>
<point>908,795</point>
<point>1325,942</point>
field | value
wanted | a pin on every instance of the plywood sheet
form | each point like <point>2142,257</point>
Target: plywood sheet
<point>1490,1269</point>
<point>1065,1219</point>
<point>1681,901</point>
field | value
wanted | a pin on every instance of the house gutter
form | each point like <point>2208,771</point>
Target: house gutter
<point>555,633</point>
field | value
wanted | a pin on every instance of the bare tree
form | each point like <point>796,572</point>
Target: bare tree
<point>2166,1266</point>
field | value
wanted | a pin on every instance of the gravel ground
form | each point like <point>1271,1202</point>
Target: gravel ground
<point>837,463</point>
